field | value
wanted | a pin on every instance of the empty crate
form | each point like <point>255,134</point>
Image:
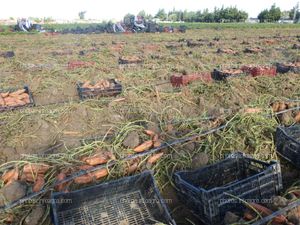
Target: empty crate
<point>207,191</point>
<point>288,143</point>
<point>133,200</point>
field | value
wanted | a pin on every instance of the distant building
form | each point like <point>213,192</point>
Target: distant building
<point>252,20</point>
<point>286,21</point>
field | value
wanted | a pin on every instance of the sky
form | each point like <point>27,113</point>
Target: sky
<point>116,9</point>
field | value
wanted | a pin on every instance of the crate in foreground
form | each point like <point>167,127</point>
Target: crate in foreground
<point>133,200</point>
<point>104,88</point>
<point>15,98</point>
<point>288,143</point>
<point>208,191</point>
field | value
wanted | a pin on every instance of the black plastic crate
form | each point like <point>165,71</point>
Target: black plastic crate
<point>282,68</point>
<point>219,75</point>
<point>288,143</point>
<point>8,108</point>
<point>132,200</point>
<point>205,191</point>
<point>85,93</point>
<point>266,220</point>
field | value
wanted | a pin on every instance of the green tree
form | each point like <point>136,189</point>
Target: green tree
<point>161,14</point>
<point>272,15</point>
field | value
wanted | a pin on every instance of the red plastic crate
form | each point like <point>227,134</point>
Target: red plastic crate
<point>256,71</point>
<point>183,80</point>
<point>79,64</point>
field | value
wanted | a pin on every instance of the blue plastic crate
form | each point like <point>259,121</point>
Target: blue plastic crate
<point>288,143</point>
<point>132,200</point>
<point>205,191</point>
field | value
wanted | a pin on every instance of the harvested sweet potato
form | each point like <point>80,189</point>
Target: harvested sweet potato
<point>36,168</point>
<point>100,173</point>
<point>99,158</point>
<point>282,106</point>
<point>264,211</point>
<point>84,179</point>
<point>39,183</point>
<point>155,138</point>
<point>143,147</point>
<point>18,92</point>
<point>150,133</point>
<point>10,176</point>
<point>252,110</point>
<point>297,118</point>
<point>30,177</point>
<point>132,168</point>
<point>61,176</point>
<point>275,106</point>
<point>248,215</point>
<point>86,84</point>
<point>5,94</point>
<point>157,144</point>
<point>2,102</point>
<point>154,158</point>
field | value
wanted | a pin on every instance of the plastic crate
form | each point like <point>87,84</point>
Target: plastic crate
<point>205,190</point>
<point>283,68</point>
<point>8,108</point>
<point>85,93</point>
<point>132,200</point>
<point>222,76</point>
<point>288,143</point>
<point>266,220</point>
<point>256,71</point>
<point>183,80</point>
<point>126,60</point>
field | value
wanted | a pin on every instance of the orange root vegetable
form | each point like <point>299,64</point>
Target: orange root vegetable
<point>297,118</point>
<point>4,95</point>
<point>248,216</point>
<point>84,167</point>
<point>61,176</point>
<point>100,173</point>
<point>132,168</point>
<point>36,168</point>
<point>143,147</point>
<point>266,212</point>
<point>253,110</point>
<point>84,179</point>
<point>99,158</point>
<point>10,176</point>
<point>150,133</point>
<point>18,92</point>
<point>157,143</point>
<point>39,183</point>
<point>155,138</point>
<point>275,107</point>
<point>86,84</point>
<point>282,106</point>
<point>154,158</point>
<point>30,177</point>
<point>2,102</point>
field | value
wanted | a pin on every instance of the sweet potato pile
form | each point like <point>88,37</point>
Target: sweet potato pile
<point>255,211</point>
<point>288,116</point>
<point>259,70</point>
<point>16,98</point>
<point>101,84</point>
<point>227,51</point>
<point>253,50</point>
<point>130,60</point>
<point>232,71</point>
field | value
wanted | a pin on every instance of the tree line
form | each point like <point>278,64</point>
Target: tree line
<point>228,14</point>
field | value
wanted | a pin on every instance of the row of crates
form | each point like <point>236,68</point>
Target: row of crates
<point>207,191</point>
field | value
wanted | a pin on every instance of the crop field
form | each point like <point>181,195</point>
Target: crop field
<point>52,65</point>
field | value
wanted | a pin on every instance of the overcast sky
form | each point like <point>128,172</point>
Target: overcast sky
<point>116,9</point>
